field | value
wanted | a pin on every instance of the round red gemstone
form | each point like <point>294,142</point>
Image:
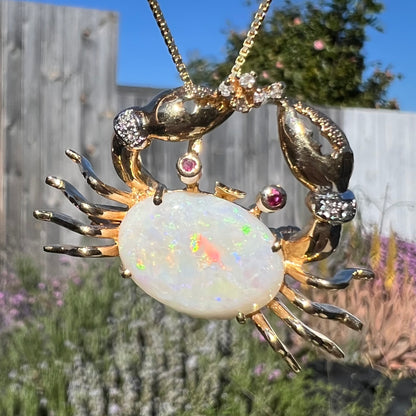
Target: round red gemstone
<point>276,198</point>
<point>188,164</point>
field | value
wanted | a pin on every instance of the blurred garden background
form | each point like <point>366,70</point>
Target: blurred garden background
<point>76,339</point>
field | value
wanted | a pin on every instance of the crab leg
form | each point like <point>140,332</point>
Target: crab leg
<point>99,231</point>
<point>322,310</point>
<point>100,187</point>
<point>318,241</point>
<point>340,281</point>
<point>303,330</point>
<point>76,251</point>
<point>106,212</point>
<point>128,165</point>
<point>268,333</point>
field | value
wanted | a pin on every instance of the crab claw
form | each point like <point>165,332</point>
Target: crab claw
<point>315,170</point>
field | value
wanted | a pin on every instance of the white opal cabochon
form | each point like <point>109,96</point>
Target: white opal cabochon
<point>200,255</point>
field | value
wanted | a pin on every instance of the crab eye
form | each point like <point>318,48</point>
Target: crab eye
<point>129,126</point>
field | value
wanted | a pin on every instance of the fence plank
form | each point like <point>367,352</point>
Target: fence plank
<point>58,91</point>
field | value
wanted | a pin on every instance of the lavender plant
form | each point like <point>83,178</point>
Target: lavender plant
<point>386,305</point>
<point>109,350</point>
<point>101,347</point>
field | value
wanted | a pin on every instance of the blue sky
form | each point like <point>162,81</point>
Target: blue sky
<point>201,27</point>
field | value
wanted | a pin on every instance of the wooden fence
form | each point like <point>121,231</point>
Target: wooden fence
<point>58,90</point>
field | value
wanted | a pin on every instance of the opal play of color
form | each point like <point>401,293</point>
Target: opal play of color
<point>201,255</point>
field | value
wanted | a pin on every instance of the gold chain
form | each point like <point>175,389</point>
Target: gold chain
<point>249,40</point>
<point>174,52</point>
<point>170,43</point>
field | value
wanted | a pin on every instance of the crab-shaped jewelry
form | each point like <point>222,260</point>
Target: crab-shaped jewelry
<point>201,253</point>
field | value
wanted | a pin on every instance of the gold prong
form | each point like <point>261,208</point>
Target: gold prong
<point>277,246</point>
<point>241,318</point>
<point>256,211</point>
<point>228,193</point>
<point>125,273</point>
<point>158,196</point>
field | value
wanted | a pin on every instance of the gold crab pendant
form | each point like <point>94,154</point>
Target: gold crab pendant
<point>201,253</point>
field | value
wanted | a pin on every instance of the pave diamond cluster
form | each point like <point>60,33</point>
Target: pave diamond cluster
<point>129,128</point>
<point>333,206</point>
<point>244,95</point>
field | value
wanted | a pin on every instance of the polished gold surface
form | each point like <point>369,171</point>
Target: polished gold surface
<point>303,330</point>
<point>321,310</point>
<point>271,337</point>
<point>303,154</point>
<point>189,112</point>
<point>228,193</point>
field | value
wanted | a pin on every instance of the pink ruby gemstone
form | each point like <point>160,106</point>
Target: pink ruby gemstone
<point>276,198</point>
<point>188,165</point>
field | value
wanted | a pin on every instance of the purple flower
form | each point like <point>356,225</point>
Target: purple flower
<point>259,369</point>
<point>17,299</point>
<point>13,313</point>
<point>76,280</point>
<point>275,374</point>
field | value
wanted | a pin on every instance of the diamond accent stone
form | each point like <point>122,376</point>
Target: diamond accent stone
<point>226,89</point>
<point>201,255</point>
<point>333,206</point>
<point>128,128</point>
<point>259,97</point>
<point>275,91</point>
<point>247,80</point>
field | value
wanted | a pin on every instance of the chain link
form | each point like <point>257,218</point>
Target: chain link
<point>174,52</point>
<point>249,40</point>
<point>170,43</point>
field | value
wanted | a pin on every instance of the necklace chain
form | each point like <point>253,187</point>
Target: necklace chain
<point>177,58</point>
<point>170,43</point>
<point>249,40</point>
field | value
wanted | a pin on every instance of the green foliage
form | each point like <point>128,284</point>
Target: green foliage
<point>105,348</point>
<point>28,272</point>
<point>316,49</point>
